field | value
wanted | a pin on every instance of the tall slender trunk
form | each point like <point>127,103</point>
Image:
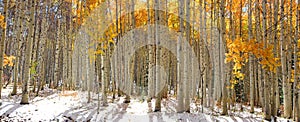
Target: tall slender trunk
<point>276,102</point>
<point>212,55</point>
<point>149,37</point>
<point>292,50</point>
<point>180,92</point>
<point>251,58</point>
<point>259,71</point>
<point>265,73</point>
<point>205,55</point>
<point>2,43</point>
<point>18,38</point>
<point>69,43</point>
<point>40,49</point>
<point>25,94</point>
<point>88,78</point>
<point>217,62</point>
<point>297,95</point>
<point>157,56</point>
<point>224,69</point>
<point>187,57</point>
<point>295,112</point>
<point>104,61</point>
<point>286,100</point>
<point>57,48</point>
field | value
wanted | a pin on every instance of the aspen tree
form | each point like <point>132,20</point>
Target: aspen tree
<point>25,94</point>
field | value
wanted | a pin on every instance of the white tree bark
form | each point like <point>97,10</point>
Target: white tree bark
<point>286,97</point>
<point>251,58</point>
<point>180,83</point>
<point>25,94</point>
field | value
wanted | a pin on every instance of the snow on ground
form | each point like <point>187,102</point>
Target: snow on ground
<point>52,105</point>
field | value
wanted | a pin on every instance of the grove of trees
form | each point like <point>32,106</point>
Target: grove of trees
<point>245,51</point>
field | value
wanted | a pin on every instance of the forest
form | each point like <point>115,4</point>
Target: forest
<point>187,60</point>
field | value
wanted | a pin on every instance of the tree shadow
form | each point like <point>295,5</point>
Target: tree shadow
<point>119,111</point>
<point>10,110</point>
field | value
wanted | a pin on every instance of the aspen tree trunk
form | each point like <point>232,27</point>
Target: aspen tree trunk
<point>25,93</point>
<point>117,75</point>
<point>127,69</point>
<point>265,73</point>
<point>164,21</point>
<point>43,52</point>
<point>45,56</point>
<point>187,58</point>
<point>217,64</point>
<point>211,91</point>
<point>289,60</point>
<point>180,92</point>
<point>121,69</point>
<point>76,51</point>
<point>18,38</point>
<point>297,90</point>
<point>84,55</point>
<point>17,27</point>
<point>193,43</point>
<point>98,80</point>
<point>40,48</point>
<point>133,26</point>
<point>292,59</point>
<point>259,71</point>
<point>69,43</point>
<point>56,55</point>
<point>104,80</point>
<point>114,79</point>
<point>114,64</point>
<point>64,63</point>
<point>88,78</point>
<point>157,56</point>
<point>205,55</point>
<point>295,78</point>
<point>242,82</point>
<point>231,37</point>
<point>222,65</point>
<point>2,43</point>
<point>251,58</point>
<point>111,75</point>
<point>286,97</point>
<point>231,21</point>
<point>199,55</point>
<point>271,74</point>
<point>149,37</point>
<point>61,51</point>
<point>35,48</point>
<point>104,61</point>
<point>276,101</point>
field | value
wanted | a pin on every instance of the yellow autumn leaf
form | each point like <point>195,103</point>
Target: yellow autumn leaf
<point>5,62</point>
<point>240,75</point>
<point>263,62</point>
<point>8,60</point>
<point>111,41</point>
<point>99,52</point>
<point>237,66</point>
<point>114,35</point>
<point>298,86</point>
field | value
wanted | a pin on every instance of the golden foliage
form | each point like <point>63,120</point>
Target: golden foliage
<point>239,51</point>
<point>8,60</point>
<point>2,22</point>
<point>141,16</point>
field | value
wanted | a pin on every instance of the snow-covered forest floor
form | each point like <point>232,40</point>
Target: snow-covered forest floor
<point>52,105</point>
